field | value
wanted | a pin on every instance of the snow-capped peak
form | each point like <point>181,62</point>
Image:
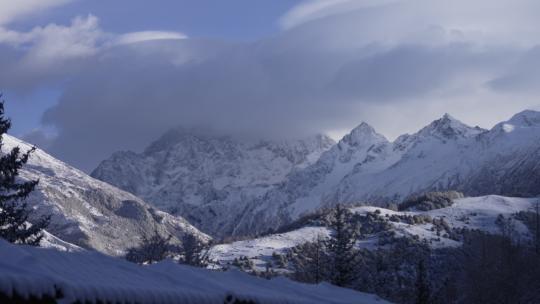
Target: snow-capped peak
<point>362,134</point>
<point>448,127</point>
<point>526,118</point>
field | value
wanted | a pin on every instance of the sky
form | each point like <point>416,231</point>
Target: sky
<point>83,79</point>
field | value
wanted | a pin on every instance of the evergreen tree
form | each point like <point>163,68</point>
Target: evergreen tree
<point>15,226</point>
<point>343,255</point>
<point>152,249</point>
<point>194,252</point>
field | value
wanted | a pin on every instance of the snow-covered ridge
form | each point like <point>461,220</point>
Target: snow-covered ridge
<point>93,277</point>
<point>445,155</point>
<point>87,212</point>
<point>208,179</point>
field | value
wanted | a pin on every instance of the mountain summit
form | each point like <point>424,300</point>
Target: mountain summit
<point>447,127</point>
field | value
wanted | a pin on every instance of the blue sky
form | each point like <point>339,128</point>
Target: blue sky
<point>84,79</point>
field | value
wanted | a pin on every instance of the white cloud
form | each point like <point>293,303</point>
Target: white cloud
<point>81,38</point>
<point>314,9</point>
<point>148,36</point>
<point>11,10</point>
<point>513,22</point>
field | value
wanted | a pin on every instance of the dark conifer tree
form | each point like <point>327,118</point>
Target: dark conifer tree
<point>194,252</point>
<point>341,247</point>
<point>15,224</point>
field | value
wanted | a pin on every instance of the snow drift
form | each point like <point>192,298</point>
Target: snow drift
<point>91,276</point>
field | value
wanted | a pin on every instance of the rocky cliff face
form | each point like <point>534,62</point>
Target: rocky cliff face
<point>208,179</point>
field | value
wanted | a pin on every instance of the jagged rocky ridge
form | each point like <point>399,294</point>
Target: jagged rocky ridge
<point>90,213</point>
<point>210,180</point>
<point>363,167</point>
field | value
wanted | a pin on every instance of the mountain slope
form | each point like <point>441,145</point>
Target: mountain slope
<point>90,213</point>
<point>206,178</point>
<point>303,190</point>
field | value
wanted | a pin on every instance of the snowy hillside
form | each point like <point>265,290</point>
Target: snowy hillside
<point>92,277</point>
<point>472,213</point>
<point>260,250</point>
<point>87,212</point>
<point>208,179</point>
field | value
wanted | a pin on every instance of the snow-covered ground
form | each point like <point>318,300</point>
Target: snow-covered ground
<point>91,276</point>
<point>472,213</point>
<point>260,250</point>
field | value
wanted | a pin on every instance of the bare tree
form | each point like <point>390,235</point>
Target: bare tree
<point>310,261</point>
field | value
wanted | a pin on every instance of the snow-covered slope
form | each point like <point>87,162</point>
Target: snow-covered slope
<point>438,157</point>
<point>473,213</point>
<point>305,190</point>
<point>260,250</point>
<point>208,179</point>
<point>89,277</point>
<point>448,155</point>
<point>87,212</point>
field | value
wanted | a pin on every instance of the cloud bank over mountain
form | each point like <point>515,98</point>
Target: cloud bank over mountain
<point>395,64</point>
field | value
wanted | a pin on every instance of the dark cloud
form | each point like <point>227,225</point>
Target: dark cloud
<point>522,76</point>
<point>129,95</point>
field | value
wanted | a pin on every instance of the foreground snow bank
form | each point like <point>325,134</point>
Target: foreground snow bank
<point>91,276</point>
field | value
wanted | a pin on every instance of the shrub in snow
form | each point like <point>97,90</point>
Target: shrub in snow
<point>430,201</point>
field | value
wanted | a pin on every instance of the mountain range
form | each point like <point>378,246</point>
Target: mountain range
<point>226,186</point>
